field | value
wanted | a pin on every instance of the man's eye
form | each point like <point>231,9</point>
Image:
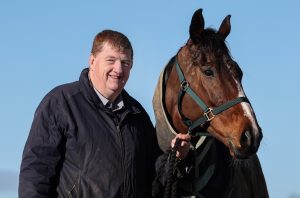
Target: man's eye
<point>110,61</point>
<point>125,64</point>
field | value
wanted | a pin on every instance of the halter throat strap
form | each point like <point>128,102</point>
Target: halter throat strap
<point>209,112</point>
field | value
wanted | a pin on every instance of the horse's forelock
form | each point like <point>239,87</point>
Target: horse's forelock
<point>209,41</point>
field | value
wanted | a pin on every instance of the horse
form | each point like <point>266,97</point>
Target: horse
<point>200,92</point>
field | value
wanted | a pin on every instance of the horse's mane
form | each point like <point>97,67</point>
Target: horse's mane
<point>168,69</point>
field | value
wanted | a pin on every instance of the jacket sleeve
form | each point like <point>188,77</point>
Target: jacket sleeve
<point>41,155</point>
<point>152,152</point>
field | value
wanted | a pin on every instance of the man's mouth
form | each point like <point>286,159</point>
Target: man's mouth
<point>115,77</point>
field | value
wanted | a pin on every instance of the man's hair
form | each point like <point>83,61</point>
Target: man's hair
<point>114,38</point>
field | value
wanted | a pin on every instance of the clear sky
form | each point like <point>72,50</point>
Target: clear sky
<point>47,43</point>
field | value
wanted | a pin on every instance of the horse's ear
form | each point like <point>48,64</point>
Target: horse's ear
<point>197,25</point>
<point>225,27</point>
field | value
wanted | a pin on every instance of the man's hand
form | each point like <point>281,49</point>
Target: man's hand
<point>184,147</point>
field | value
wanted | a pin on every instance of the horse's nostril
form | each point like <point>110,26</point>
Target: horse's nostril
<point>246,139</point>
<point>249,143</point>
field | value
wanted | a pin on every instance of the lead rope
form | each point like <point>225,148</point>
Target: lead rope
<point>171,186</point>
<point>170,189</point>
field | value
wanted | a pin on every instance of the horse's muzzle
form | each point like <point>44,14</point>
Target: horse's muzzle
<point>250,141</point>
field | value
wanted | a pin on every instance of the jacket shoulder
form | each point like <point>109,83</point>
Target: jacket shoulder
<point>58,96</point>
<point>133,103</point>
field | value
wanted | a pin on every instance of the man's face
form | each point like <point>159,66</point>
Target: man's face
<point>109,70</point>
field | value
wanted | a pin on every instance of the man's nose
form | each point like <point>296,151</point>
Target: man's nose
<point>118,66</point>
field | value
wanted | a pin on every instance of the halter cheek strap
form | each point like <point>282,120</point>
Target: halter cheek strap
<point>209,112</point>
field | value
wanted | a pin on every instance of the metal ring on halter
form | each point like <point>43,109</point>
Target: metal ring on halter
<point>184,85</point>
<point>209,115</point>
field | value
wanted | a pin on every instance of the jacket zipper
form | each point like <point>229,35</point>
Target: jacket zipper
<point>122,158</point>
<point>118,124</point>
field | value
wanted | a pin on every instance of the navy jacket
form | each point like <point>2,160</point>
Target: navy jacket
<point>77,148</point>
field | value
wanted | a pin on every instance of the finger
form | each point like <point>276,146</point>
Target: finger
<point>185,137</point>
<point>185,144</point>
<point>183,151</point>
<point>173,142</point>
<point>181,154</point>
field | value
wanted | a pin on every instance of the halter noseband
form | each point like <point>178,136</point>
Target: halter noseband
<point>209,112</point>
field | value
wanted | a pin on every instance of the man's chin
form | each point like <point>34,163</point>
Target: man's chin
<point>116,89</point>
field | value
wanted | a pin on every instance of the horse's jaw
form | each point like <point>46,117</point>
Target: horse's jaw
<point>235,153</point>
<point>236,150</point>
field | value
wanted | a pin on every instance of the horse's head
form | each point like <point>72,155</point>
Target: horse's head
<point>211,73</point>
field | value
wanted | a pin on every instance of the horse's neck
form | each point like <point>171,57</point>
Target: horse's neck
<point>168,69</point>
<point>171,87</point>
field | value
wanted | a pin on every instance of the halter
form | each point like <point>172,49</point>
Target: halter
<point>209,112</point>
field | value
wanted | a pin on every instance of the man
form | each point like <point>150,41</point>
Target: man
<point>90,138</point>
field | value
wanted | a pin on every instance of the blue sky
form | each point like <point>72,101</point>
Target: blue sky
<point>44,44</point>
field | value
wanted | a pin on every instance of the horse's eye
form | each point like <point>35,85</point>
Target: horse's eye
<point>208,72</point>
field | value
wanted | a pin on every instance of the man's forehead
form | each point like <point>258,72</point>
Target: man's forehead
<point>118,49</point>
<point>116,53</point>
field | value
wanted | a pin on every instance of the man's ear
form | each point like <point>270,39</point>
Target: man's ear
<point>91,62</point>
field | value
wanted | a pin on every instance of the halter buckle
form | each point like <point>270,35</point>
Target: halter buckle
<point>184,85</point>
<point>209,115</point>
